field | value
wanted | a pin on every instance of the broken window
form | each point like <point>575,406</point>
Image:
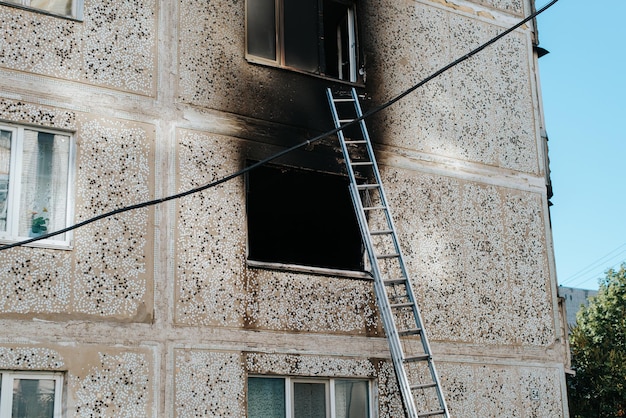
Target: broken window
<point>302,217</point>
<point>270,397</point>
<point>68,8</point>
<point>315,36</point>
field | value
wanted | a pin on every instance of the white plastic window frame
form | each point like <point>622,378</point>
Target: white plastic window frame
<point>11,234</point>
<point>6,390</point>
<point>330,392</point>
<point>280,45</point>
<point>76,13</point>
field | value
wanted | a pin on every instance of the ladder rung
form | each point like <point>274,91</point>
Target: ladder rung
<point>356,141</point>
<point>361,163</point>
<point>367,186</point>
<point>392,255</point>
<point>395,281</point>
<point>424,386</point>
<point>345,120</point>
<point>412,331</point>
<point>431,413</point>
<point>401,305</point>
<point>421,357</point>
<point>381,232</point>
<point>336,100</point>
<point>374,207</point>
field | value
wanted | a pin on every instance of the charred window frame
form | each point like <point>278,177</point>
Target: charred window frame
<point>301,220</point>
<point>314,36</point>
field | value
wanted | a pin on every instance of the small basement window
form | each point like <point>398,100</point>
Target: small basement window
<point>302,217</point>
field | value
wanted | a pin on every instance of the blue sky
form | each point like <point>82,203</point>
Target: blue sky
<point>584,96</point>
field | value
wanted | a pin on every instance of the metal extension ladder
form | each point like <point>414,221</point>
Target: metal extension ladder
<point>410,351</point>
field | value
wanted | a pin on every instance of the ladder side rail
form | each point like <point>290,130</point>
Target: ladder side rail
<point>380,288</point>
<point>383,197</point>
<point>409,284</point>
<point>393,337</point>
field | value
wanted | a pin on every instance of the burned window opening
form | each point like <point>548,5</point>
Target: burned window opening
<point>302,217</point>
<point>314,36</point>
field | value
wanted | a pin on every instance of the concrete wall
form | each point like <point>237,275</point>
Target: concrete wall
<point>155,312</point>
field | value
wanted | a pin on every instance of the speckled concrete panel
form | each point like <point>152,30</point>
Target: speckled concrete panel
<point>114,46</point>
<point>211,52</point>
<point>112,273</point>
<point>297,365</point>
<point>307,303</point>
<point>540,392</point>
<point>35,280</point>
<point>208,384</point>
<point>210,240</point>
<point>510,6</point>
<point>107,272</point>
<point>479,111</point>
<point>30,358</point>
<point>501,390</point>
<point>119,384</point>
<point>21,112</point>
<point>477,254</point>
<point>389,400</point>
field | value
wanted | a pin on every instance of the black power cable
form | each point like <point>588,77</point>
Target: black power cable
<point>288,150</point>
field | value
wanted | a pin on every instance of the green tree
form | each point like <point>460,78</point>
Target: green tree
<point>598,344</point>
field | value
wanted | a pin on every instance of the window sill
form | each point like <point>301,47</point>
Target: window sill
<point>268,63</point>
<point>363,275</point>
<point>43,12</point>
<point>47,244</point>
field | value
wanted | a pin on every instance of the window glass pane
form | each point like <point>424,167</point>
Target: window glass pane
<point>261,20</point>
<point>266,397</point>
<point>302,34</point>
<point>62,7</point>
<point>5,163</point>
<point>351,399</point>
<point>309,400</point>
<point>45,164</point>
<point>337,36</point>
<point>33,398</point>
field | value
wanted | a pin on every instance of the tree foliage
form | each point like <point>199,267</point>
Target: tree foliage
<point>598,344</point>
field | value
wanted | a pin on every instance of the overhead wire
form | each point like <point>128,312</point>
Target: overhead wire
<point>584,275</point>
<point>287,150</point>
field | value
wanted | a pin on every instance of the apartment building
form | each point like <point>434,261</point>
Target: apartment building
<point>253,297</point>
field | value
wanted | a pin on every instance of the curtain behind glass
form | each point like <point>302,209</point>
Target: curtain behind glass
<point>5,164</point>
<point>309,400</point>
<point>45,165</point>
<point>33,398</point>
<point>266,397</point>
<point>351,399</point>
